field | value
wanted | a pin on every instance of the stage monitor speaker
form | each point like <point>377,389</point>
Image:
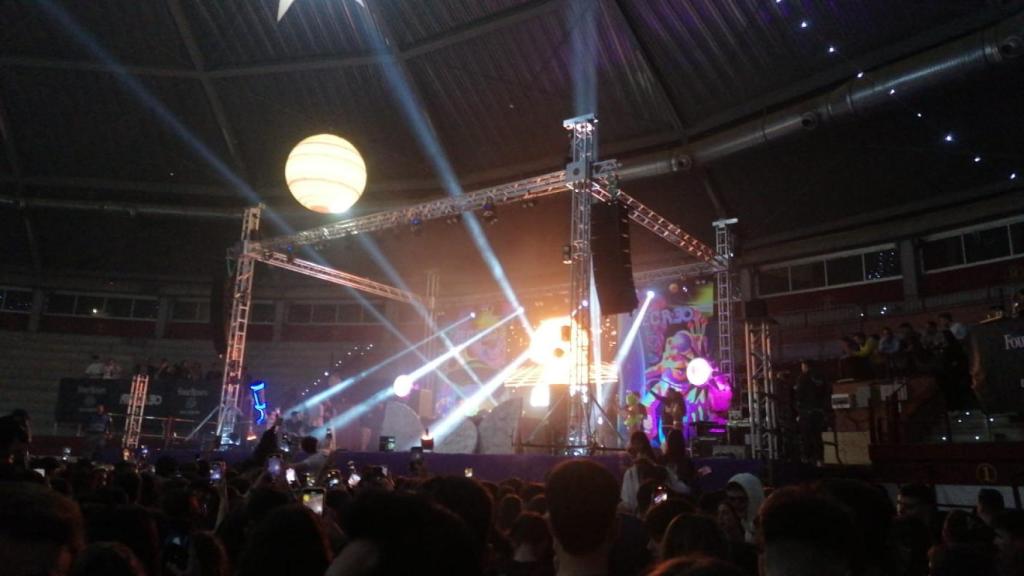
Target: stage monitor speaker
<point>613,265</point>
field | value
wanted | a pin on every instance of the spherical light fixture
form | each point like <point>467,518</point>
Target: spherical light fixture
<point>325,173</point>
<point>698,371</point>
<point>402,386</point>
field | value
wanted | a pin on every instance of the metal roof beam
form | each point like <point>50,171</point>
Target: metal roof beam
<point>87,66</point>
<point>212,98</point>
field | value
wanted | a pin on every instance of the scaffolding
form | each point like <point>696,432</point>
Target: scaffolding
<point>136,411</point>
<point>724,297</point>
<point>761,390</point>
<point>241,298</point>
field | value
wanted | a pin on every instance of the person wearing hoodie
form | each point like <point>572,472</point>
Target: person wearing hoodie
<point>744,493</point>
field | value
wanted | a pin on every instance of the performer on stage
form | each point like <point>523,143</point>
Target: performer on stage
<point>671,412</point>
<point>636,413</point>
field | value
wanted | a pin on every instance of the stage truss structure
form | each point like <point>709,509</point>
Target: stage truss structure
<point>584,176</point>
<point>761,389</point>
<point>724,297</point>
<point>136,410</point>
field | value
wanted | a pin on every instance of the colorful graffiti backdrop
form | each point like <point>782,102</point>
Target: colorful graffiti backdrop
<point>484,358</point>
<point>679,327</point>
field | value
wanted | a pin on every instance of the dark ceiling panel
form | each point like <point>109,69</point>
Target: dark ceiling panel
<point>271,114</point>
<point>412,21</point>
<point>500,99</point>
<point>133,31</point>
<point>891,159</point>
<point>237,32</point>
<point>725,53</point>
<point>88,124</point>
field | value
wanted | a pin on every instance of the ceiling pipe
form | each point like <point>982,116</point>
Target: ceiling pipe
<point>130,209</point>
<point>972,53</point>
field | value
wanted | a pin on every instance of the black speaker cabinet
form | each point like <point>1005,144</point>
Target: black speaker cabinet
<point>613,263</point>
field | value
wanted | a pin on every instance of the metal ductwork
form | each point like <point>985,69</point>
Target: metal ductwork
<point>978,51</point>
<point>131,209</point>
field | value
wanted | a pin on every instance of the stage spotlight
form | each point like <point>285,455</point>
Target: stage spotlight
<point>540,396</point>
<point>567,254</point>
<point>529,203</point>
<point>489,212</point>
<point>416,225</point>
<point>650,293</point>
<point>698,371</point>
<point>402,386</point>
<point>550,341</point>
<point>453,218</point>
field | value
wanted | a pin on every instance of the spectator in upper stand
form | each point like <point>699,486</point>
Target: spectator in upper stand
<point>582,497</point>
<point>111,369</point>
<point>954,375</point>
<point>889,343</point>
<point>990,502</point>
<point>216,371</point>
<point>744,494</point>
<point>804,533</point>
<point>946,323</point>
<point>95,368</point>
<point>857,364</point>
<point>40,530</point>
<point>932,339</point>
<point>164,371</point>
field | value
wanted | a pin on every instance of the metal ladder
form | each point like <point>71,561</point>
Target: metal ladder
<point>136,409</point>
<point>235,354</point>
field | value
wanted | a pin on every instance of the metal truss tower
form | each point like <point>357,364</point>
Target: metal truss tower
<point>579,178</point>
<point>136,409</point>
<point>240,304</point>
<point>724,297</point>
<point>761,393</point>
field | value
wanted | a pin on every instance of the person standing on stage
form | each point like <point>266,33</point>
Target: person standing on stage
<point>97,432</point>
<point>671,412</point>
<point>812,398</point>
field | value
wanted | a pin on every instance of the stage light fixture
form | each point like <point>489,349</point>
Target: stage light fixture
<point>325,173</point>
<point>489,212</point>
<point>416,225</point>
<point>402,386</point>
<point>698,371</point>
<point>567,254</point>
<point>540,396</point>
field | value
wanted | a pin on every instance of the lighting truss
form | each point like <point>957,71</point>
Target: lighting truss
<point>536,187</point>
<point>307,268</point>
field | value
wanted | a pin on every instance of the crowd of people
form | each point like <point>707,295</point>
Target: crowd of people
<point>940,350</point>
<point>110,369</point>
<point>271,516</point>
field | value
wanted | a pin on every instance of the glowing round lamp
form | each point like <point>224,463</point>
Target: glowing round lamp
<point>402,386</point>
<point>698,371</point>
<point>325,173</point>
